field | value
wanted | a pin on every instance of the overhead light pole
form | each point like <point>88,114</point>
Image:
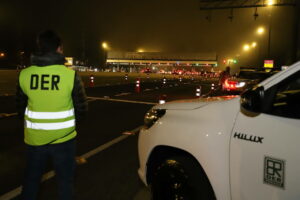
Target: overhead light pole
<point>270,5</point>
<point>105,48</point>
<point>260,31</point>
<point>104,45</point>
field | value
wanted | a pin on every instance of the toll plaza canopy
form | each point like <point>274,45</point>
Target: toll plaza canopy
<point>161,59</point>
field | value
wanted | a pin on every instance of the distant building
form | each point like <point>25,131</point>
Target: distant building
<point>160,60</point>
<point>69,61</point>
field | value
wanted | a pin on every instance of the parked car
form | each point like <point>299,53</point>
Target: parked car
<point>229,148</point>
<point>146,70</point>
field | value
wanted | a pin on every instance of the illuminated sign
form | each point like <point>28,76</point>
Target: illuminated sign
<point>269,63</point>
<point>69,61</point>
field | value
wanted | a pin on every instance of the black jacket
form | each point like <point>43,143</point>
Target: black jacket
<point>78,93</point>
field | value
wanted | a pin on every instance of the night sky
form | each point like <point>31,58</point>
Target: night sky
<point>155,25</point>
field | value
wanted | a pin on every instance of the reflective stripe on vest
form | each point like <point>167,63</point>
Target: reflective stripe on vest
<point>50,126</point>
<point>49,115</point>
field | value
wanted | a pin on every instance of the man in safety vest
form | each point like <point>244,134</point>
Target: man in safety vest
<point>51,99</point>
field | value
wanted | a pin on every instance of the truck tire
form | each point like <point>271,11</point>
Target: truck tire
<point>180,178</point>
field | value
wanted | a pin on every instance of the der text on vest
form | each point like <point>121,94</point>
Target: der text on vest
<point>44,82</point>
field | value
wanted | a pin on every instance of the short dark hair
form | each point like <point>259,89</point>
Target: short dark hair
<point>48,41</point>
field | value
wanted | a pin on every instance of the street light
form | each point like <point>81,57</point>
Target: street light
<point>105,46</point>
<point>246,47</point>
<point>260,30</point>
<point>140,50</point>
<point>3,54</point>
<point>253,44</point>
<point>270,2</point>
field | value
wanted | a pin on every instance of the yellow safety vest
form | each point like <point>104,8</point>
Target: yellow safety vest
<point>49,116</point>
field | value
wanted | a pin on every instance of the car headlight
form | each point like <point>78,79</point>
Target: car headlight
<point>240,84</point>
<point>152,116</point>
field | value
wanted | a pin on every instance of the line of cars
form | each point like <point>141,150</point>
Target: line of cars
<point>206,74</point>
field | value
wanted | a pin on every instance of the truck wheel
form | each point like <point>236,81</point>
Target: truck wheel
<point>180,178</point>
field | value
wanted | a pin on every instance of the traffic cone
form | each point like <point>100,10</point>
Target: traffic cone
<point>138,85</point>
<point>162,99</point>
<point>92,81</point>
<point>164,81</point>
<point>198,91</point>
<point>212,86</point>
<point>80,160</point>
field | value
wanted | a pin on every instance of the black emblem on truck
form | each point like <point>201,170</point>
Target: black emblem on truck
<point>251,138</point>
<point>274,171</point>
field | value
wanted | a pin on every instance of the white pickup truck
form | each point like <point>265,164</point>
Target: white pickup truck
<point>232,147</point>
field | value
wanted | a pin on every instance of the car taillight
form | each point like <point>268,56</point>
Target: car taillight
<point>231,85</point>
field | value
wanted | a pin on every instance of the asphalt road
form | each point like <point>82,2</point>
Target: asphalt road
<point>112,160</point>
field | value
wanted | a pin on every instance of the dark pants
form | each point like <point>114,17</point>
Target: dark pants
<point>63,159</point>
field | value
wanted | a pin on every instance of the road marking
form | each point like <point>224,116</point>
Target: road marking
<point>148,90</point>
<point>133,132</point>
<point>11,194</point>
<point>5,94</point>
<point>121,100</point>
<point>15,192</point>
<point>104,146</point>
<point>122,94</point>
<point>4,115</point>
<point>108,144</point>
<point>90,99</point>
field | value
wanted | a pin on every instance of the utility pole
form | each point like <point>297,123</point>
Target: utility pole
<point>83,53</point>
<point>297,31</point>
<point>270,32</point>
